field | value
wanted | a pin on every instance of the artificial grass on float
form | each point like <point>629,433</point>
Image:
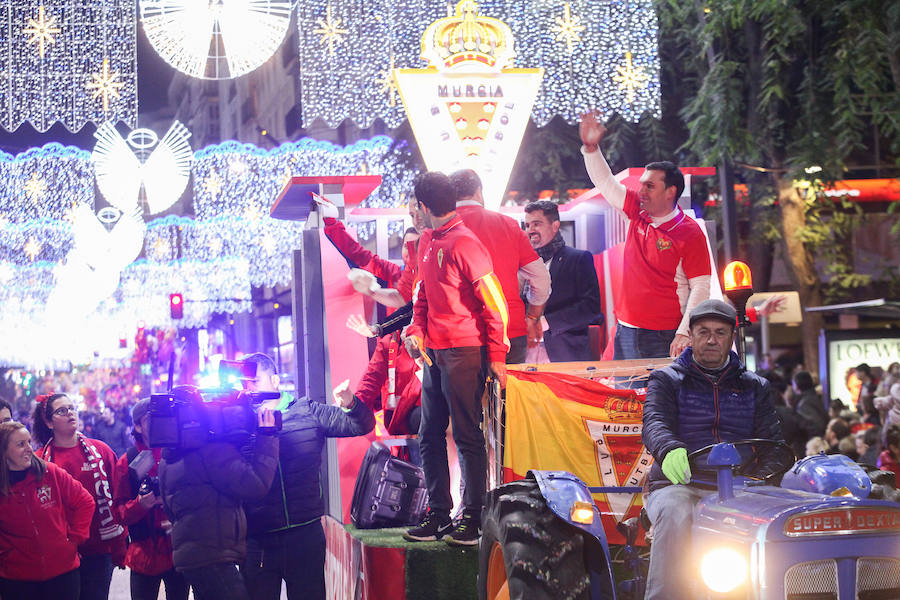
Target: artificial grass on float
<point>434,570</point>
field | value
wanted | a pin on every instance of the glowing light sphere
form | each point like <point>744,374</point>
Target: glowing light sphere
<point>215,39</point>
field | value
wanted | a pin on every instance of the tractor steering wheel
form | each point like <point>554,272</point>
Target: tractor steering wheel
<point>745,468</point>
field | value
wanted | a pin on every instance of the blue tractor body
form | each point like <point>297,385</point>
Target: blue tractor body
<point>789,543</point>
<point>763,542</point>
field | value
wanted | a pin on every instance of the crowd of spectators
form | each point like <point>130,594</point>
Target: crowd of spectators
<point>868,432</point>
<point>104,399</point>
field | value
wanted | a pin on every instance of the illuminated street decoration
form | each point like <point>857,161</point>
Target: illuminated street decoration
<point>67,272</point>
<point>469,108</point>
<point>568,28</point>
<point>221,39</point>
<point>330,30</point>
<point>42,30</point>
<point>630,78</point>
<point>68,62</point>
<point>388,84</point>
<point>579,44</point>
<point>105,85</point>
<point>136,166</point>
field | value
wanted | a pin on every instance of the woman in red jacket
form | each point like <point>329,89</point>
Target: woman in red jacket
<point>139,506</point>
<point>44,515</point>
<point>93,464</point>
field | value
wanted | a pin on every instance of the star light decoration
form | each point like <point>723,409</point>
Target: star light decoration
<point>580,64</point>
<point>630,78</point>
<point>388,84</point>
<point>330,30</point>
<point>52,55</point>
<point>42,30</point>
<point>568,28</point>
<point>105,85</point>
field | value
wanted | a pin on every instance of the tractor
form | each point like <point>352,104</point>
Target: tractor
<point>823,529</point>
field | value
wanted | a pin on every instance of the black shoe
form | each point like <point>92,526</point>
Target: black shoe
<point>466,532</point>
<point>431,529</point>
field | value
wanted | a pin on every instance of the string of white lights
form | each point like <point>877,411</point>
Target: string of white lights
<point>68,62</point>
<point>595,54</point>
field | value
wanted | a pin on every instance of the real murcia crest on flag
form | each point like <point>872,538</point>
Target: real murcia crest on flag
<point>622,459</point>
<point>470,106</point>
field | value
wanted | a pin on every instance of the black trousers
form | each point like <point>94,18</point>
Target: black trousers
<point>295,555</point>
<point>452,389</point>
<point>220,581</point>
<point>146,587</point>
<point>62,587</point>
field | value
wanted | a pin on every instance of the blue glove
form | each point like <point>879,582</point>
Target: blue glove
<point>675,466</point>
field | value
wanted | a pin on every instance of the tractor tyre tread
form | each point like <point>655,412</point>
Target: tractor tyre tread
<point>544,556</point>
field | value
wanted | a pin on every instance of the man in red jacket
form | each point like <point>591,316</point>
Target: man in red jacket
<point>513,257</point>
<point>459,322</point>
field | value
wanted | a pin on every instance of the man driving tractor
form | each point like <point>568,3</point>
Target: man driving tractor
<point>705,397</point>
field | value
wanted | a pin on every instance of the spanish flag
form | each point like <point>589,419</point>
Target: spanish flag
<point>562,422</point>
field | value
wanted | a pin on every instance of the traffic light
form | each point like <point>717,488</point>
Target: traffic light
<point>176,306</point>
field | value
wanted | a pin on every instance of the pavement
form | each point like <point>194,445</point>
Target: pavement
<point>119,588</point>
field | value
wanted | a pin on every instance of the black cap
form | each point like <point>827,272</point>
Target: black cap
<point>714,309</point>
<point>140,409</point>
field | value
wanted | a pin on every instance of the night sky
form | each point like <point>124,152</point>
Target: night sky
<point>154,75</point>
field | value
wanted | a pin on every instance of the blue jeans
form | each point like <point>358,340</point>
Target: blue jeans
<point>633,342</point>
<point>671,510</point>
<point>451,392</point>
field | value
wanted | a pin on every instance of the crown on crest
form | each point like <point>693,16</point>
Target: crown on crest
<point>467,37</point>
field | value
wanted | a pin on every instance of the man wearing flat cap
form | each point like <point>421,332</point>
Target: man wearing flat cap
<point>706,396</point>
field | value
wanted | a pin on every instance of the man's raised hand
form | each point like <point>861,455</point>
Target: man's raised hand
<point>591,130</point>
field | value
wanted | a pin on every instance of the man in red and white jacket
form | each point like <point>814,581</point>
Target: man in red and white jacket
<point>666,259</point>
<point>459,322</point>
<point>513,258</point>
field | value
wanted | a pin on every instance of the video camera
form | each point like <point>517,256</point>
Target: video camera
<point>188,417</point>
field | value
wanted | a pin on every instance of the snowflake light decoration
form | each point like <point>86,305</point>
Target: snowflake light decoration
<point>68,62</point>
<point>219,39</point>
<point>42,30</point>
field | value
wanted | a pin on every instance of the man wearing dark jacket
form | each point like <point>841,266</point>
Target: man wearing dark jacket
<point>574,302</point>
<point>286,540</point>
<point>706,396</point>
<point>202,491</point>
<point>809,405</point>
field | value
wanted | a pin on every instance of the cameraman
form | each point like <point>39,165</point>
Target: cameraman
<point>202,490</point>
<point>286,540</point>
<point>139,506</point>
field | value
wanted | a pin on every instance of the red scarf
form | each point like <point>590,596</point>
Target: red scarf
<point>109,527</point>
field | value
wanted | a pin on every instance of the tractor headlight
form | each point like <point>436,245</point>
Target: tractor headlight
<point>723,569</point>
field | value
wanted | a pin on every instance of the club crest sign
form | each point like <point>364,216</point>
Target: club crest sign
<point>622,459</point>
<point>470,106</point>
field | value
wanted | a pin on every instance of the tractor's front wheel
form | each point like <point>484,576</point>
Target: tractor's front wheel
<point>527,551</point>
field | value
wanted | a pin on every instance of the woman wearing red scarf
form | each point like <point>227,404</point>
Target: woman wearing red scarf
<point>44,514</point>
<point>93,464</point>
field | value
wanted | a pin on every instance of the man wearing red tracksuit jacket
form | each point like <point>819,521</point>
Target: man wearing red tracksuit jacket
<point>390,383</point>
<point>459,321</point>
